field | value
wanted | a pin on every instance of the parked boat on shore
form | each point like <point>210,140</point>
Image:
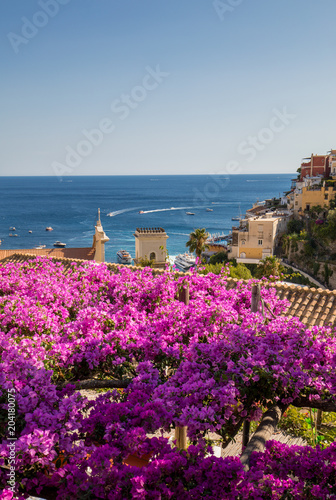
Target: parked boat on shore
<point>185,261</point>
<point>124,257</point>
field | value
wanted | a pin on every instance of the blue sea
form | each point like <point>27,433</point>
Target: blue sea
<point>70,205</point>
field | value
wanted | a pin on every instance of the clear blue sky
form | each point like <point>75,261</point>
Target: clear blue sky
<point>239,86</point>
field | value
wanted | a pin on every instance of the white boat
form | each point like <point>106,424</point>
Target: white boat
<point>190,213</point>
<point>124,257</point>
<point>185,261</point>
<point>49,228</point>
<point>39,247</point>
<point>239,217</point>
<point>59,244</point>
<point>209,209</point>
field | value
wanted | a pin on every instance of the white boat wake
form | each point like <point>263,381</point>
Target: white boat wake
<point>118,212</point>
<point>164,210</point>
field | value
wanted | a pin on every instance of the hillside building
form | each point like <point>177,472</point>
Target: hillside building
<point>257,237</point>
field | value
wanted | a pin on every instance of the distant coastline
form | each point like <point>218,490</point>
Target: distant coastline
<point>70,207</point>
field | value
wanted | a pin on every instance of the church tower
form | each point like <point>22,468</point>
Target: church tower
<point>99,240</point>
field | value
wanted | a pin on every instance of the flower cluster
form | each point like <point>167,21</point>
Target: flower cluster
<point>206,365</point>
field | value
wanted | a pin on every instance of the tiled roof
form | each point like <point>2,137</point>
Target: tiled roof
<point>68,253</point>
<point>314,307</point>
<point>18,258</point>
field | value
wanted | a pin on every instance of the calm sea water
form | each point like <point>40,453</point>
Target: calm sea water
<point>70,207</point>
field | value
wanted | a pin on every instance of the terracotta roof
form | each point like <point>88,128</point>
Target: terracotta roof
<point>314,307</point>
<point>19,258</point>
<point>68,253</point>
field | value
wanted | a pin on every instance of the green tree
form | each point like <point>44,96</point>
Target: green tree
<point>294,226</point>
<point>269,266</point>
<point>241,272</point>
<point>219,257</point>
<point>197,241</point>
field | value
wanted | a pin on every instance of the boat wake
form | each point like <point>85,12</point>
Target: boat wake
<point>165,209</point>
<point>118,212</point>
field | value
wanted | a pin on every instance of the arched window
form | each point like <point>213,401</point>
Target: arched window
<point>243,255</point>
<point>152,256</point>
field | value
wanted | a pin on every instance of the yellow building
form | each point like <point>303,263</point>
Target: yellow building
<point>256,238</point>
<point>312,196</point>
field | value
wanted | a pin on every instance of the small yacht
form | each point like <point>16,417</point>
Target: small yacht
<point>185,261</point>
<point>209,209</point>
<point>59,244</point>
<point>141,212</point>
<point>49,228</point>
<point>190,213</point>
<point>10,234</point>
<point>124,257</point>
<point>39,247</point>
<point>12,228</point>
<point>30,231</point>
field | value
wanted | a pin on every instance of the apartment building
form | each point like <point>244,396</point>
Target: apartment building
<point>257,237</point>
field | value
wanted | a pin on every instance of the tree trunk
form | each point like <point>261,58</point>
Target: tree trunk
<point>263,433</point>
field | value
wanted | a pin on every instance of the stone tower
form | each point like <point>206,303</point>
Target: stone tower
<point>99,240</point>
<point>147,245</point>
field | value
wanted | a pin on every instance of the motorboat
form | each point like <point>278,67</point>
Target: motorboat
<point>30,231</point>
<point>236,218</point>
<point>49,228</point>
<point>141,212</point>
<point>39,247</point>
<point>10,234</point>
<point>185,261</point>
<point>59,244</point>
<point>190,213</point>
<point>209,209</point>
<point>124,257</point>
<point>12,228</point>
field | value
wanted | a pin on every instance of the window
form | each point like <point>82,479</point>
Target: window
<point>152,256</point>
<point>260,242</point>
<point>243,255</point>
<point>243,242</point>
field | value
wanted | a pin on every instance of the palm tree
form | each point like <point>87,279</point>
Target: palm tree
<point>197,241</point>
